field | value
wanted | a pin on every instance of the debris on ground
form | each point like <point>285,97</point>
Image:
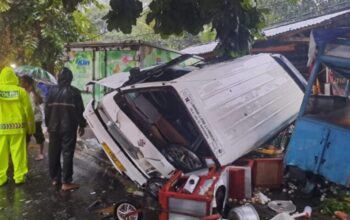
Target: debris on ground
<point>94,204</point>
<point>342,215</point>
<point>29,201</point>
<point>105,212</point>
<point>283,216</point>
<point>330,206</point>
<point>261,198</point>
<point>296,196</point>
<point>243,212</point>
<point>270,150</point>
<point>306,213</point>
<point>280,206</point>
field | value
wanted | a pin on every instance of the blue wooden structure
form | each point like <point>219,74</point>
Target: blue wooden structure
<point>321,139</point>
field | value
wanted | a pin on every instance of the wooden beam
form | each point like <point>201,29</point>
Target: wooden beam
<point>274,49</point>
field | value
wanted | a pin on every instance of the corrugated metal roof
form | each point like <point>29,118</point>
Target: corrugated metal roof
<point>88,46</point>
<point>270,32</point>
<point>200,49</point>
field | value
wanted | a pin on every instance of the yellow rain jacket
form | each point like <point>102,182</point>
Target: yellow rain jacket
<point>16,119</point>
<point>16,114</point>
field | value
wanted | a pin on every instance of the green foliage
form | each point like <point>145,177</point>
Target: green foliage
<point>329,206</point>
<point>123,15</point>
<point>207,35</point>
<point>234,22</point>
<point>35,32</point>
<point>71,5</point>
<point>83,24</point>
<point>295,1</point>
<point>4,5</point>
<point>141,31</point>
<point>235,25</point>
<point>175,16</point>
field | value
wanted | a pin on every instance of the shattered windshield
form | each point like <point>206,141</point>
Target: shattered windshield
<point>163,118</point>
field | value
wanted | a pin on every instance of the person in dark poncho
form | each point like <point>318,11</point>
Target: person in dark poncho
<point>63,117</point>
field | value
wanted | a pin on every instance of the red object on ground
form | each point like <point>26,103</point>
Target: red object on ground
<point>236,183</point>
<point>212,217</point>
<point>341,215</point>
<point>268,172</point>
<point>246,184</point>
<point>176,201</point>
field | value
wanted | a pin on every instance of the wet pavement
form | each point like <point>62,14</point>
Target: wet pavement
<point>36,199</point>
<point>100,187</point>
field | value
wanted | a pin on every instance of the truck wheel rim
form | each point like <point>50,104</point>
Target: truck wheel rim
<point>124,209</point>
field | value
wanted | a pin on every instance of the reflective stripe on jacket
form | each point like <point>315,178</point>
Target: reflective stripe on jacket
<point>16,114</point>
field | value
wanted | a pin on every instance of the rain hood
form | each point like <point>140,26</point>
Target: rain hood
<point>65,77</point>
<point>8,77</point>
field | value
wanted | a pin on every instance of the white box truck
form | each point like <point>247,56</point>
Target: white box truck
<point>171,117</point>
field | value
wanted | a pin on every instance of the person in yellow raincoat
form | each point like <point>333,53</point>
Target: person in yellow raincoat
<point>16,121</point>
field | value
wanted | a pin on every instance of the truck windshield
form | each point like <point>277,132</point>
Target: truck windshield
<point>162,117</point>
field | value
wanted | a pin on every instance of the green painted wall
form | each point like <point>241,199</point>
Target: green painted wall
<point>81,64</point>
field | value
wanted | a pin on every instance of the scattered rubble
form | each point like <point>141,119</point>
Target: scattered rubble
<point>105,212</point>
<point>262,198</point>
<point>283,216</point>
<point>280,206</point>
<point>28,201</point>
<point>341,215</point>
<point>245,212</point>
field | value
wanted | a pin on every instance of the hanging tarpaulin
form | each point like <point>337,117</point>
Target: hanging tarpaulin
<point>312,50</point>
<point>97,60</point>
<point>332,48</point>
<point>112,62</point>
<point>153,56</point>
<point>337,82</point>
<point>325,36</point>
<point>321,40</point>
<point>80,63</point>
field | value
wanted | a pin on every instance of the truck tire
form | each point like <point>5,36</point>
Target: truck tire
<point>126,206</point>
